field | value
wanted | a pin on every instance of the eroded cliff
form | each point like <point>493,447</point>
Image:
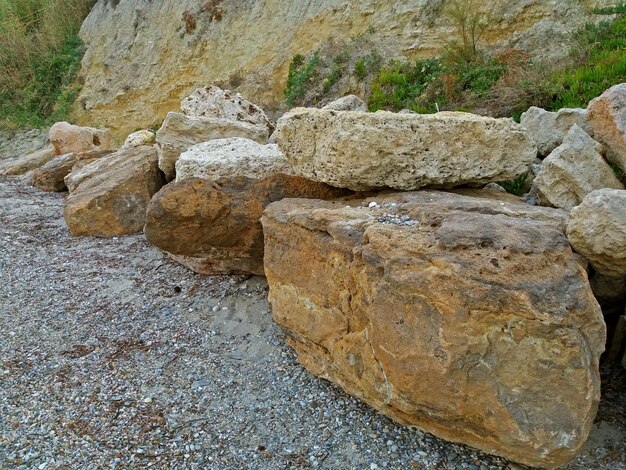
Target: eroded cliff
<point>144,56</point>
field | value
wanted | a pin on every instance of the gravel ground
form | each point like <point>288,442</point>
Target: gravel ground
<point>113,356</point>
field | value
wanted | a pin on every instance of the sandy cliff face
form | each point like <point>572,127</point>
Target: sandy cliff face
<point>143,56</point>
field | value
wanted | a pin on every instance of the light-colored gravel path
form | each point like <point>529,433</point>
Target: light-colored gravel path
<point>113,356</point>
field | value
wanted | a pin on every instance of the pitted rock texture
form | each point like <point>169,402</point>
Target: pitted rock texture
<point>607,115</point>
<point>227,158</point>
<point>573,170</point>
<point>212,101</point>
<point>475,323</point>
<point>142,59</point>
<point>179,132</point>
<point>362,151</point>
<point>68,138</point>
<point>597,230</point>
<point>548,129</point>
<point>109,196</point>
<point>213,227</point>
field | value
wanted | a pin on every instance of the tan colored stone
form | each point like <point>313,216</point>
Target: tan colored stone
<point>109,196</point>
<point>213,227</point>
<point>179,132</point>
<point>68,138</point>
<point>22,165</point>
<point>362,151</point>
<point>607,115</point>
<point>573,170</point>
<point>469,318</point>
<point>597,230</point>
<point>51,176</point>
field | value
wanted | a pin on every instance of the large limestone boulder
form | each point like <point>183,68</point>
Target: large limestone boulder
<point>228,158</point>
<point>348,103</point>
<point>573,170</point>
<point>179,132</point>
<point>607,115</point>
<point>214,102</point>
<point>68,138</point>
<point>364,151</point>
<point>548,129</point>
<point>469,318</point>
<point>597,230</point>
<point>26,163</point>
<point>51,176</point>
<point>109,196</point>
<point>208,220</point>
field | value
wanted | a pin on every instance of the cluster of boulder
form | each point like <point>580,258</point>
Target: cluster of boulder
<point>397,267</point>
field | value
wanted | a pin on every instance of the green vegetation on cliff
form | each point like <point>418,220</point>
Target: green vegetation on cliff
<point>40,55</point>
<point>466,78</point>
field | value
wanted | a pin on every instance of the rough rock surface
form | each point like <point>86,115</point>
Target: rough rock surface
<point>597,230</point>
<point>142,56</point>
<point>607,115</point>
<point>179,132</point>
<point>142,137</point>
<point>68,138</point>
<point>109,196</point>
<point>51,176</point>
<point>573,170</point>
<point>188,362</point>
<point>26,163</point>
<point>364,151</point>
<point>213,227</point>
<point>236,156</point>
<point>502,355</point>
<point>548,129</point>
<point>214,102</point>
<point>348,103</point>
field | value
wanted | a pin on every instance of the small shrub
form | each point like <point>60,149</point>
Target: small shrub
<point>360,70</point>
<point>301,74</point>
<point>518,186</point>
<point>332,77</point>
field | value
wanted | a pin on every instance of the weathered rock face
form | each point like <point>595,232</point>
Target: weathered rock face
<point>548,129</point>
<point>213,227</point>
<point>607,115</point>
<point>179,132</point>
<point>16,144</point>
<point>109,196</point>
<point>597,230</point>
<point>214,102</point>
<point>26,163</point>
<point>348,103</point>
<point>573,170</point>
<point>228,158</point>
<point>68,138</point>
<point>364,151</point>
<point>609,291</point>
<point>142,58</point>
<point>469,318</point>
<point>51,176</point>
